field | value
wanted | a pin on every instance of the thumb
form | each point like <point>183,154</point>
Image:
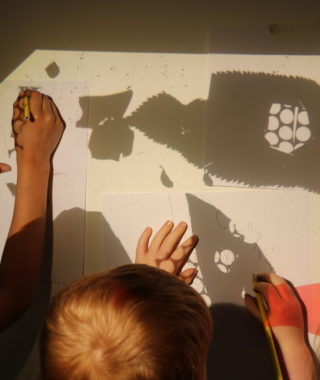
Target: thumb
<point>4,167</point>
<point>251,305</point>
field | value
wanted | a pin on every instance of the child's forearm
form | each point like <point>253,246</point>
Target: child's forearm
<point>22,254</point>
<point>298,361</point>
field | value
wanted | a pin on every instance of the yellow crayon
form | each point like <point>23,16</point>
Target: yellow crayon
<point>26,107</point>
<point>269,335</point>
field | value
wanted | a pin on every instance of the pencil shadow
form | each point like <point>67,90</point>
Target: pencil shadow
<point>226,261</point>
<point>264,130</point>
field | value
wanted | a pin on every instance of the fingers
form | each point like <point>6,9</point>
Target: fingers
<point>161,235</point>
<point>4,167</point>
<point>55,110</point>
<point>268,291</point>
<point>17,113</point>
<point>46,105</point>
<point>166,240</point>
<point>279,283</point>
<point>182,253</point>
<point>35,103</point>
<point>188,275</point>
<point>143,243</point>
<point>252,307</point>
<point>271,278</point>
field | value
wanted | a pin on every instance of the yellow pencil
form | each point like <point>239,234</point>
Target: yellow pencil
<point>26,107</point>
<point>269,335</point>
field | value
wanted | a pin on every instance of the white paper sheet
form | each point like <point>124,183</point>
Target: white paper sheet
<point>241,233</point>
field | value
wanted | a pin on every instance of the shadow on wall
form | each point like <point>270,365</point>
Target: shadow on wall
<point>18,356</point>
<point>239,349</point>
<point>262,130</point>
<point>162,118</point>
<point>226,261</point>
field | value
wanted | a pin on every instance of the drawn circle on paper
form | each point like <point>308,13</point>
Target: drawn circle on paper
<point>303,117</point>
<point>285,133</point>
<point>227,257</point>
<point>286,116</point>
<point>273,123</point>
<point>303,134</point>
<point>272,138</point>
<point>275,108</point>
<point>286,147</point>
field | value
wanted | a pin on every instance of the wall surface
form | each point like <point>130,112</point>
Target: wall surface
<point>31,32</point>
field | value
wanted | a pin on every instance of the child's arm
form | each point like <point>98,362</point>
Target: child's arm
<point>164,251</point>
<point>287,322</point>
<point>35,142</point>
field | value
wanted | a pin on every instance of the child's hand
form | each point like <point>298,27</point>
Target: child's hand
<point>37,138</point>
<point>4,167</point>
<point>285,314</point>
<point>285,317</point>
<point>164,251</point>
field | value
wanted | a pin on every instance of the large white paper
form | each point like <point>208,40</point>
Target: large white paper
<point>241,233</point>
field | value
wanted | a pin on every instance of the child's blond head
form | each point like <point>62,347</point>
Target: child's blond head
<point>133,322</point>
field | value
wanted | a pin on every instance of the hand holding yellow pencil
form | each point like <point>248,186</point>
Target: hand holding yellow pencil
<point>26,108</point>
<point>268,332</point>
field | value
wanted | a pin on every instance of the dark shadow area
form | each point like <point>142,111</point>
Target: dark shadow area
<point>17,342</point>
<point>240,107</point>
<point>226,261</point>
<point>111,136</point>
<point>114,253</point>
<point>165,120</point>
<point>162,118</point>
<point>239,349</point>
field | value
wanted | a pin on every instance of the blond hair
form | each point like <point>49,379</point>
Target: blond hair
<point>133,322</point>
